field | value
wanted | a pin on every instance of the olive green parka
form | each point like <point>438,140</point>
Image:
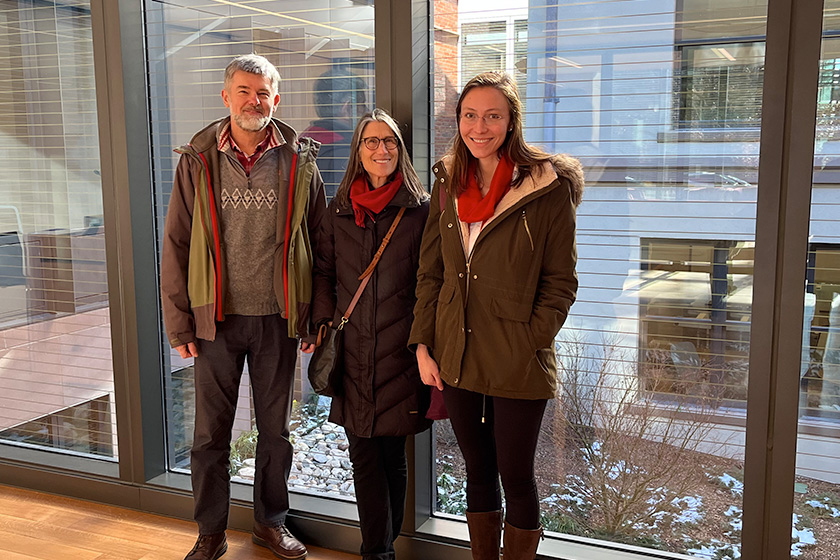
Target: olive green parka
<point>490,317</point>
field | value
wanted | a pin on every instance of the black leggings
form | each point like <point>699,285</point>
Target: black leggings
<point>504,444</point>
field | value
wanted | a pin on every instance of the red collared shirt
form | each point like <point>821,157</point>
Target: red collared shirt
<point>226,139</point>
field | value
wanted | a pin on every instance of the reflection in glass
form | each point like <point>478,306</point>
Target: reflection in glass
<point>56,372</point>
<point>324,50</point>
<point>816,496</point>
<point>644,443</point>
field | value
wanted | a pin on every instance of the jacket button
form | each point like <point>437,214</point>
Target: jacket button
<point>435,169</point>
<point>460,275</point>
<point>450,225</point>
<point>336,210</point>
<point>475,276</point>
<point>469,331</point>
<point>441,179</point>
<point>455,381</point>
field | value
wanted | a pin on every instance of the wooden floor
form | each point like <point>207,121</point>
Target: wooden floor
<point>46,527</point>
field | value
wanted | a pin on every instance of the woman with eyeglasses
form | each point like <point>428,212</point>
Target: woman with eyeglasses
<point>496,281</point>
<point>383,399</point>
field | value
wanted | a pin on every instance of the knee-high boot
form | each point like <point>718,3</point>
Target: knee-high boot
<point>521,544</point>
<point>485,534</point>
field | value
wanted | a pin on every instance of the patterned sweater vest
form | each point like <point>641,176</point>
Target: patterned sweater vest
<point>249,233</point>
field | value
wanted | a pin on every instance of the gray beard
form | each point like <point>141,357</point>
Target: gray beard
<point>251,124</point>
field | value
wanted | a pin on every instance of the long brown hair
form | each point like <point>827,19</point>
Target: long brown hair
<point>356,169</point>
<point>526,158</point>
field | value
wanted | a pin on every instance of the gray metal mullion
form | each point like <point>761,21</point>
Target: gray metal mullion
<point>783,213</point>
<point>130,242</point>
<point>105,32</point>
<point>382,20</point>
<point>415,55</point>
<point>402,88</point>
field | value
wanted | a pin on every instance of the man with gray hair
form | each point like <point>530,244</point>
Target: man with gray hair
<point>236,279</point>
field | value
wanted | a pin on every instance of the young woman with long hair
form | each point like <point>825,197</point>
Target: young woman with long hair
<point>495,284</point>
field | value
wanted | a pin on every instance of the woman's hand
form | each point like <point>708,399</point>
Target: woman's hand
<point>429,372</point>
<point>307,347</point>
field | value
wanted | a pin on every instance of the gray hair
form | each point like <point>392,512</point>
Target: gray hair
<point>356,169</point>
<point>253,64</point>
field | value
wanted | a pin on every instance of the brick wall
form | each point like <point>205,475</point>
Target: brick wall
<point>445,72</point>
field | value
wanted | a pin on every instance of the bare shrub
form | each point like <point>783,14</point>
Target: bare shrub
<point>638,455</point>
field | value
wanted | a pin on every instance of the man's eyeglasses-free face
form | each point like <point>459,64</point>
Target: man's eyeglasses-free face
<point>372,142</point>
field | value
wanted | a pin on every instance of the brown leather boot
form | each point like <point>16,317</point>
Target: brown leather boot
<point>208,547</point>
<point>485,534</point>
<point>521,544</point>
<point>278,540</point>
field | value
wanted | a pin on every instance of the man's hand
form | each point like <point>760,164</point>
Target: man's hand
<point>307,347</point>
<point>429,371</point>
<point>187,350</point>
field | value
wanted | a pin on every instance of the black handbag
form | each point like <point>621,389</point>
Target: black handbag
<point>327,364</point>
<point>326,368</point>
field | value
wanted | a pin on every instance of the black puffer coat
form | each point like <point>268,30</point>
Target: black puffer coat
<point>383,393</point>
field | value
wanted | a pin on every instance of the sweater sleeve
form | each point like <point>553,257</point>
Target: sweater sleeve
<point>175,254</point>
<point>429,277</point>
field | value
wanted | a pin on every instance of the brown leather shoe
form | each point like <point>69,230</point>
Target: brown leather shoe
<point>208,547</point>
<point>280,541</point>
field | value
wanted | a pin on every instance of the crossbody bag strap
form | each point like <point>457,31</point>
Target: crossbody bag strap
<point>365,277</point>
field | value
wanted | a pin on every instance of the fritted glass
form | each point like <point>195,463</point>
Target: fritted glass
<point>644,442</point>
<point>56,370</point>
<point>816,494</point>
<point>324,50</point>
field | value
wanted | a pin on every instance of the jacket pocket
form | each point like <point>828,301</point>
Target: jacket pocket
<point>513,310</point>
<point>518,311</point>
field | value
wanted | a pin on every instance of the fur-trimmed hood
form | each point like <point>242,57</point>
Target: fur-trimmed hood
<point>570,168</point>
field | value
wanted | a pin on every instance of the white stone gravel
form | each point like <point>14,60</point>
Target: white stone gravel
<point>320,463</point>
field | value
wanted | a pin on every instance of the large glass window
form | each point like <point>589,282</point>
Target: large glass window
<point>56,373</point>
<point>644,443</point>
<point>817,492</point>
<point>324,51</point>
<point>695,298</point>
<point>720,86</point>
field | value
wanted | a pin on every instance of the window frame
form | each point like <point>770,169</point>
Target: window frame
<point>782,227</point>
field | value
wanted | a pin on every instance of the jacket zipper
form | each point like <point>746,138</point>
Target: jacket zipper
<point>467,295</point>
<point>469,260</point>
<point>528,230</point>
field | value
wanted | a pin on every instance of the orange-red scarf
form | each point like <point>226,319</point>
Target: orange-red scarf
<point>472,207</point>
<point>371,201</point>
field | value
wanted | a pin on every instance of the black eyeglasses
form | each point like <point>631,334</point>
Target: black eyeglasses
<point>372,142</point>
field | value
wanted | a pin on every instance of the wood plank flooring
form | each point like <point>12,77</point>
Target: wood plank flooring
<point>37,526</point>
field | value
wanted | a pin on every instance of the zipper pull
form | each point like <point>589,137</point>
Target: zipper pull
<point>527,230</point>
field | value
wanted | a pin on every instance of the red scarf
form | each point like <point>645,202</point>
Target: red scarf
<point>472,207</point>
<point>372,201</point>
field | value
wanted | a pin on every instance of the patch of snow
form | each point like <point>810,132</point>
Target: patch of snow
<point>734,485</point>
<point>816,504</point>
<point>690,509</point>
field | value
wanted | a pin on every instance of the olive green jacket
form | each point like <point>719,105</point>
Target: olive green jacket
<point>490,317</point>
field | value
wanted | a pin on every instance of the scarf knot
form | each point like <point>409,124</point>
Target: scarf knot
<point>472,206</point>
<point>370,202</point>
